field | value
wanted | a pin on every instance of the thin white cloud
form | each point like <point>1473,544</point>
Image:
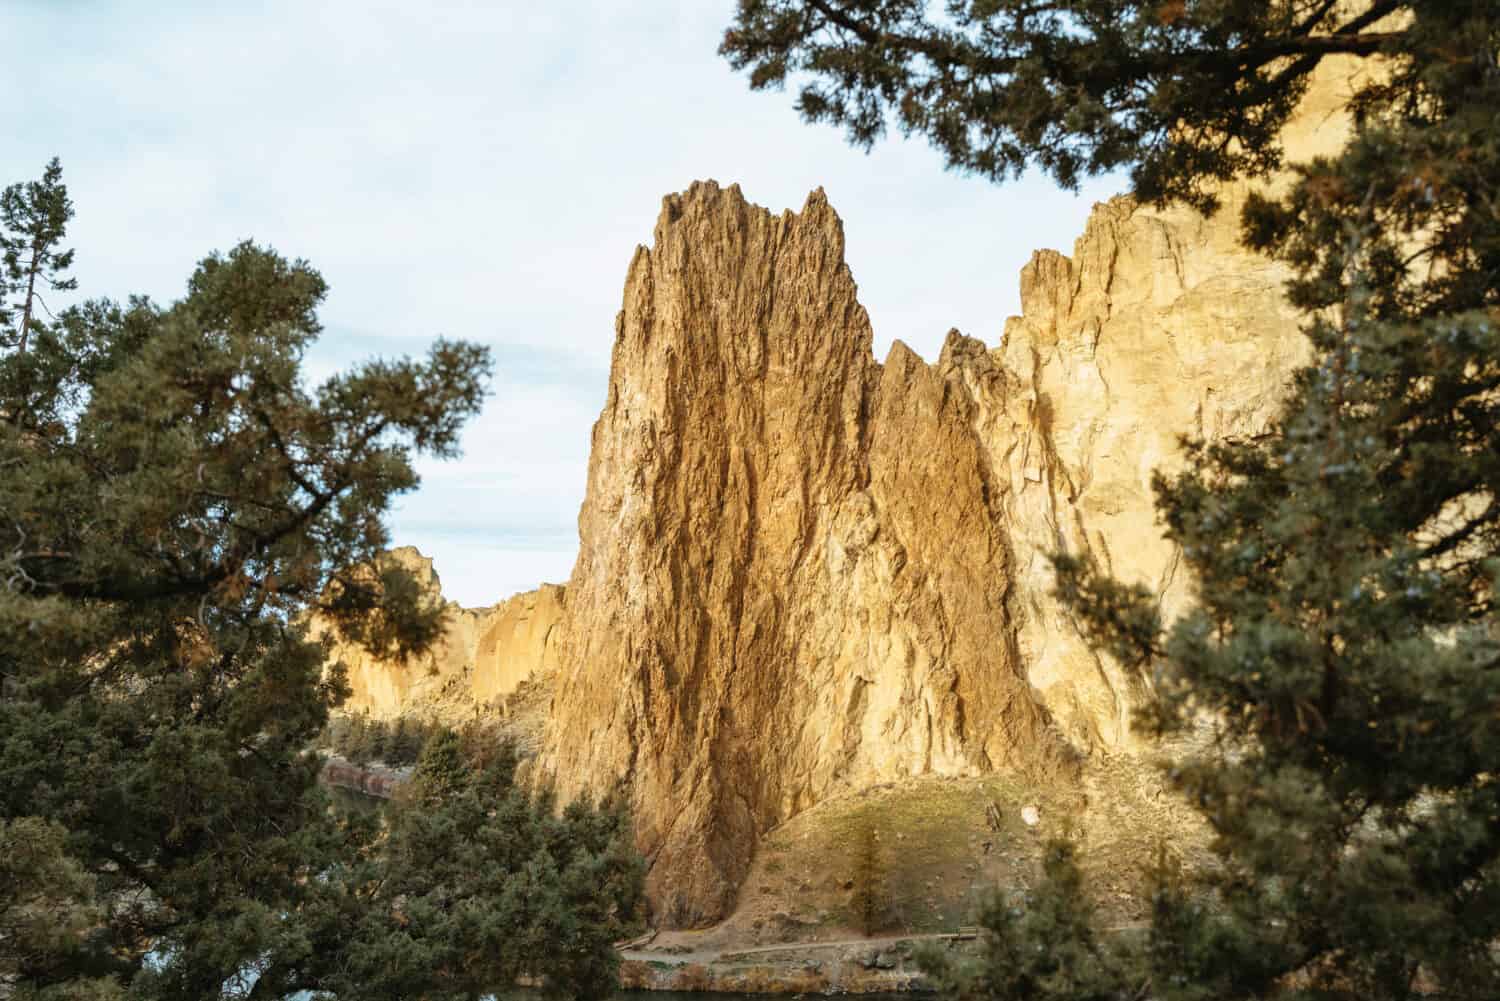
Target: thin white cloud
<point>477,170</point>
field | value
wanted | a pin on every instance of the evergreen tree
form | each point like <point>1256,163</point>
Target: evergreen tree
<point>1048,946</point>
<point>336,734</point>
<point>404,744</point>
<point>869,903</point>
<point>1345,640</point>
<point>378,741</point>
<point>176,501</point>
<point>340,727</point>
<point>442,770</point>
<point>47,908</point>
<point>357,750</point>
<point>1182,93</point>
<point>33,220</point>
<point>477,883</point>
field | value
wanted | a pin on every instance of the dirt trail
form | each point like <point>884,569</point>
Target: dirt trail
<point>714,955</point>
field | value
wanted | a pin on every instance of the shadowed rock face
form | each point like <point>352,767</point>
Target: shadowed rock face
<point>802,570</point>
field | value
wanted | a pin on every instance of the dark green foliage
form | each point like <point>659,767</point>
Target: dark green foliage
<point>1047,945</point>
<point>47,908</point>
<point>360,739</point>
<point>1345,636</point>
<point>357,740</point>
<point>406,743</point>
<point>442,769</point>
<point>175,501</point>
<point>870,902</point>
<point>1182,93</point>
<point>476,882</point>
<point>33,220</point>
<point>1344,652</point>
<point>378,741</point>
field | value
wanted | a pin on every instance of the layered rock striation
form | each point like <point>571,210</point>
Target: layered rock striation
<point>1159,326</point>
<point>792,573</point>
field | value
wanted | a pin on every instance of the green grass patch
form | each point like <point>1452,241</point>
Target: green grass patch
<point>913,857</point>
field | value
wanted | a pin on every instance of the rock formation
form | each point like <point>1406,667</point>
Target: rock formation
<point>803,571</point>
<point>793,570</point>
<point>484,654</point>
<point>1159,326</point>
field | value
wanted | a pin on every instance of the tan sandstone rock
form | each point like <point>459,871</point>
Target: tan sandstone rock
<point>793,573</point>
<point>1159,326</point>
<point>484,655</point>
<point>803,571</point>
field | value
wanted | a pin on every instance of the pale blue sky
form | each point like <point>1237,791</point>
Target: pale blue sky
<point>482,171</point>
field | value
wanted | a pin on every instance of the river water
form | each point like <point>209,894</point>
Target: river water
<point>698,996</point>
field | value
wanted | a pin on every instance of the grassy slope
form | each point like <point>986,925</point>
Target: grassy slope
<point>929,849</point>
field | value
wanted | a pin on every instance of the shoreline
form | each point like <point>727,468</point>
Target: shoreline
<point>375,780</point>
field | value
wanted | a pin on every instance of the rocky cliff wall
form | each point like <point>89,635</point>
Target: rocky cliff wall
<point>803,571</point>
<point>793,573</point>
<point>483,656</point>
<point>1158,326</point>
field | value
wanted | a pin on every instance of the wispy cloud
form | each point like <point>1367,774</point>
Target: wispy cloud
<point>477,170</point>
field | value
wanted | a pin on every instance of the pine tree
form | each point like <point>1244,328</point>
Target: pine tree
<point>443,768</point>
<point>379,740</point>
<point>476,883</point>
<point>357,748</point>
<point>1048,946</point>
<point>403,748</point>
<point>340,728</point>
<point>175,502</point>
<point>1345,640</point>
<point>336,734</point>
<point>869,903</point>
<point>1182,94</point>
<point>48,905</point>
<point>34,218</point>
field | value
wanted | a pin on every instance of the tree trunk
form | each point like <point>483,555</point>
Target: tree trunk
<point>36,256</point>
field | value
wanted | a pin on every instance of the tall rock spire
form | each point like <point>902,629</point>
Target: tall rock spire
<point>793,574</point>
